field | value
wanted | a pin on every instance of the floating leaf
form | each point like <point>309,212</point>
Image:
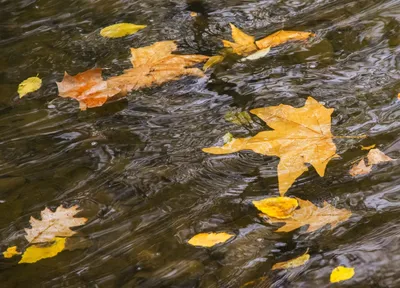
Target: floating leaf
<point>311,215</point>
<point>277,207</point>
<point>360,169</point>
<point>368,147</point>
<point>243,43</point>
<point>282,37</point>
<point>11,252</point>
<point>375,156</point>
<point>29,85</point>
<point>35,253</point>
<point>300,135</point>
<point>257,55</point>
<point>296,262</point>
<point>212,61</point>
<point>120,30</point>
<point>193,14</point>
<point>341,273</point>
<point>53,224</point>
<point>238,118</point>
<point>209,239</point>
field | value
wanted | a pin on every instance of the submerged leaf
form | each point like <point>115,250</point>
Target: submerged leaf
<point>375,156</point>
<point>277,207</point>
<point>360,169</point>
<point>209,239</point>
<point>296,262</point>
<point>341,273</point>
<point>11,252</point>
<point>238,118</point>
<point>282,37</point>
<point>228,137</point>
<point>300,135</point>
<point>313,216</point>
<point>212,61</point>
<point>35,253</point>
<point>53,224</point>
<point>120,30</point>
<point>29,85</point>
<point>257,55</point>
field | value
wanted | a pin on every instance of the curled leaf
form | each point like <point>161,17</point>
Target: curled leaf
<point>11,252</point>
<point>277,207</point>
<point>209,239</point>
<point>29,85</point>
<point>296,262</point>
<point>212,61</point>
<point>35,253</point>
<point>341,273</point>
<point>120,30</point>
<point>368,147</point>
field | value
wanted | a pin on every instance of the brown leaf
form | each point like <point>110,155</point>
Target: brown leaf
<point>375,156</point>
<point>53,224</point>
<point>88,88</point>
<point>300,135</point>
<point>360,169</point>
<point>311,215</point>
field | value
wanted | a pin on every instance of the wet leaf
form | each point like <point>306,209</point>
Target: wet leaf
<point>257,55</point>
<point>300,135</point>
<point>277,207</point>
<point>313,216</point>
<point>193,14</point>
<point>368,147</point>
<point>209,239</point>
<point>35,253</point>
<point>120,30</point>
<point>296,262</point>
<point>238,118</point>
<point>375,156</point>
<point>29,85</point>
<point>245,44</point>
<point>212,61</point>
<point>341,273</point>
<point>53,224</point>
<point>228,137</point>
<point>11,252</point>
<point>360,169</point>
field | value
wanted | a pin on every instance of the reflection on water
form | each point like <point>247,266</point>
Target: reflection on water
<point>136,167</point>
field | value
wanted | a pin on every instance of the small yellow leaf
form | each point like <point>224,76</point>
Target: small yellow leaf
<point>296,262</point>
<point>341,273</point>
<point>368,147</point>
<point>120,30</point>
<point>29,85</point>
<point>35,253</point>
<point>209,239</point>
<point>10,252</point>
<point>277,207</point>
<point>212,61</point>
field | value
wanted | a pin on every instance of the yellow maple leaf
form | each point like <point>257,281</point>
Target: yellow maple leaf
<point>277,207</point>
<point>120,30</point>
<point>53,224</point>
<point>29,85</point>
<point>35,253</point>
<point>311,215</point>
<point>341,273</point>
<point>209,239</point>
<point>300,135</point>
<point>11,252</point>
<point>296,262</point>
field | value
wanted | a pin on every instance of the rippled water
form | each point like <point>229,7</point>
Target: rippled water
<point>136,167</point>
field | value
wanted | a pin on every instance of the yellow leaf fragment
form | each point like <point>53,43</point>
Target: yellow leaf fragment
<point>375,156</point>
<point>282,37</point>
<point>360,169</point>
<point>209,239</point>
<point>300,135</point>
<point>35,253</point>
<point>296,262</point>
<point>277,207</point>
<point>193,14</point>
<point>212,61</point>
<point>313,216</point>
<point>120,30</point>
<point>368,147</point>
<point>341,273</point>
<point>29,85</point>
<point>10,252</point>
<point>257,55</point>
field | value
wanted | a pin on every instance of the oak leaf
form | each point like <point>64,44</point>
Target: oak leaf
<point>293,263</point>
<point>209,239</point>
<point>300,135</point>
<point>311,215</point>
<point>375,156</point>
<point>53,224</point>
<point>277,207</point>
<point>341,273</point>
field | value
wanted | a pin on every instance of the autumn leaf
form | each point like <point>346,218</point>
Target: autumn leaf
<point>155,65</point>
<point>360,169</point>
<point>88,88</point>
<point>277,207</point>
<point>53,224</point>
<point>296,262</point>
<point>257,55</point>
<point>375,156</point>
<point>313,216</point>
<point>209,239</point>
<point>120,30</point>
<point>368,147</point>
<point>11,252</point>
<point>212,61</point>
<point>245,44</point>
<point>29,85</point>
<point>35,253</point>
<point>341,273</point>
<point>300,135</point>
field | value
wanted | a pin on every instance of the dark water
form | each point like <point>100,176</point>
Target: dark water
<point>136,167</point>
